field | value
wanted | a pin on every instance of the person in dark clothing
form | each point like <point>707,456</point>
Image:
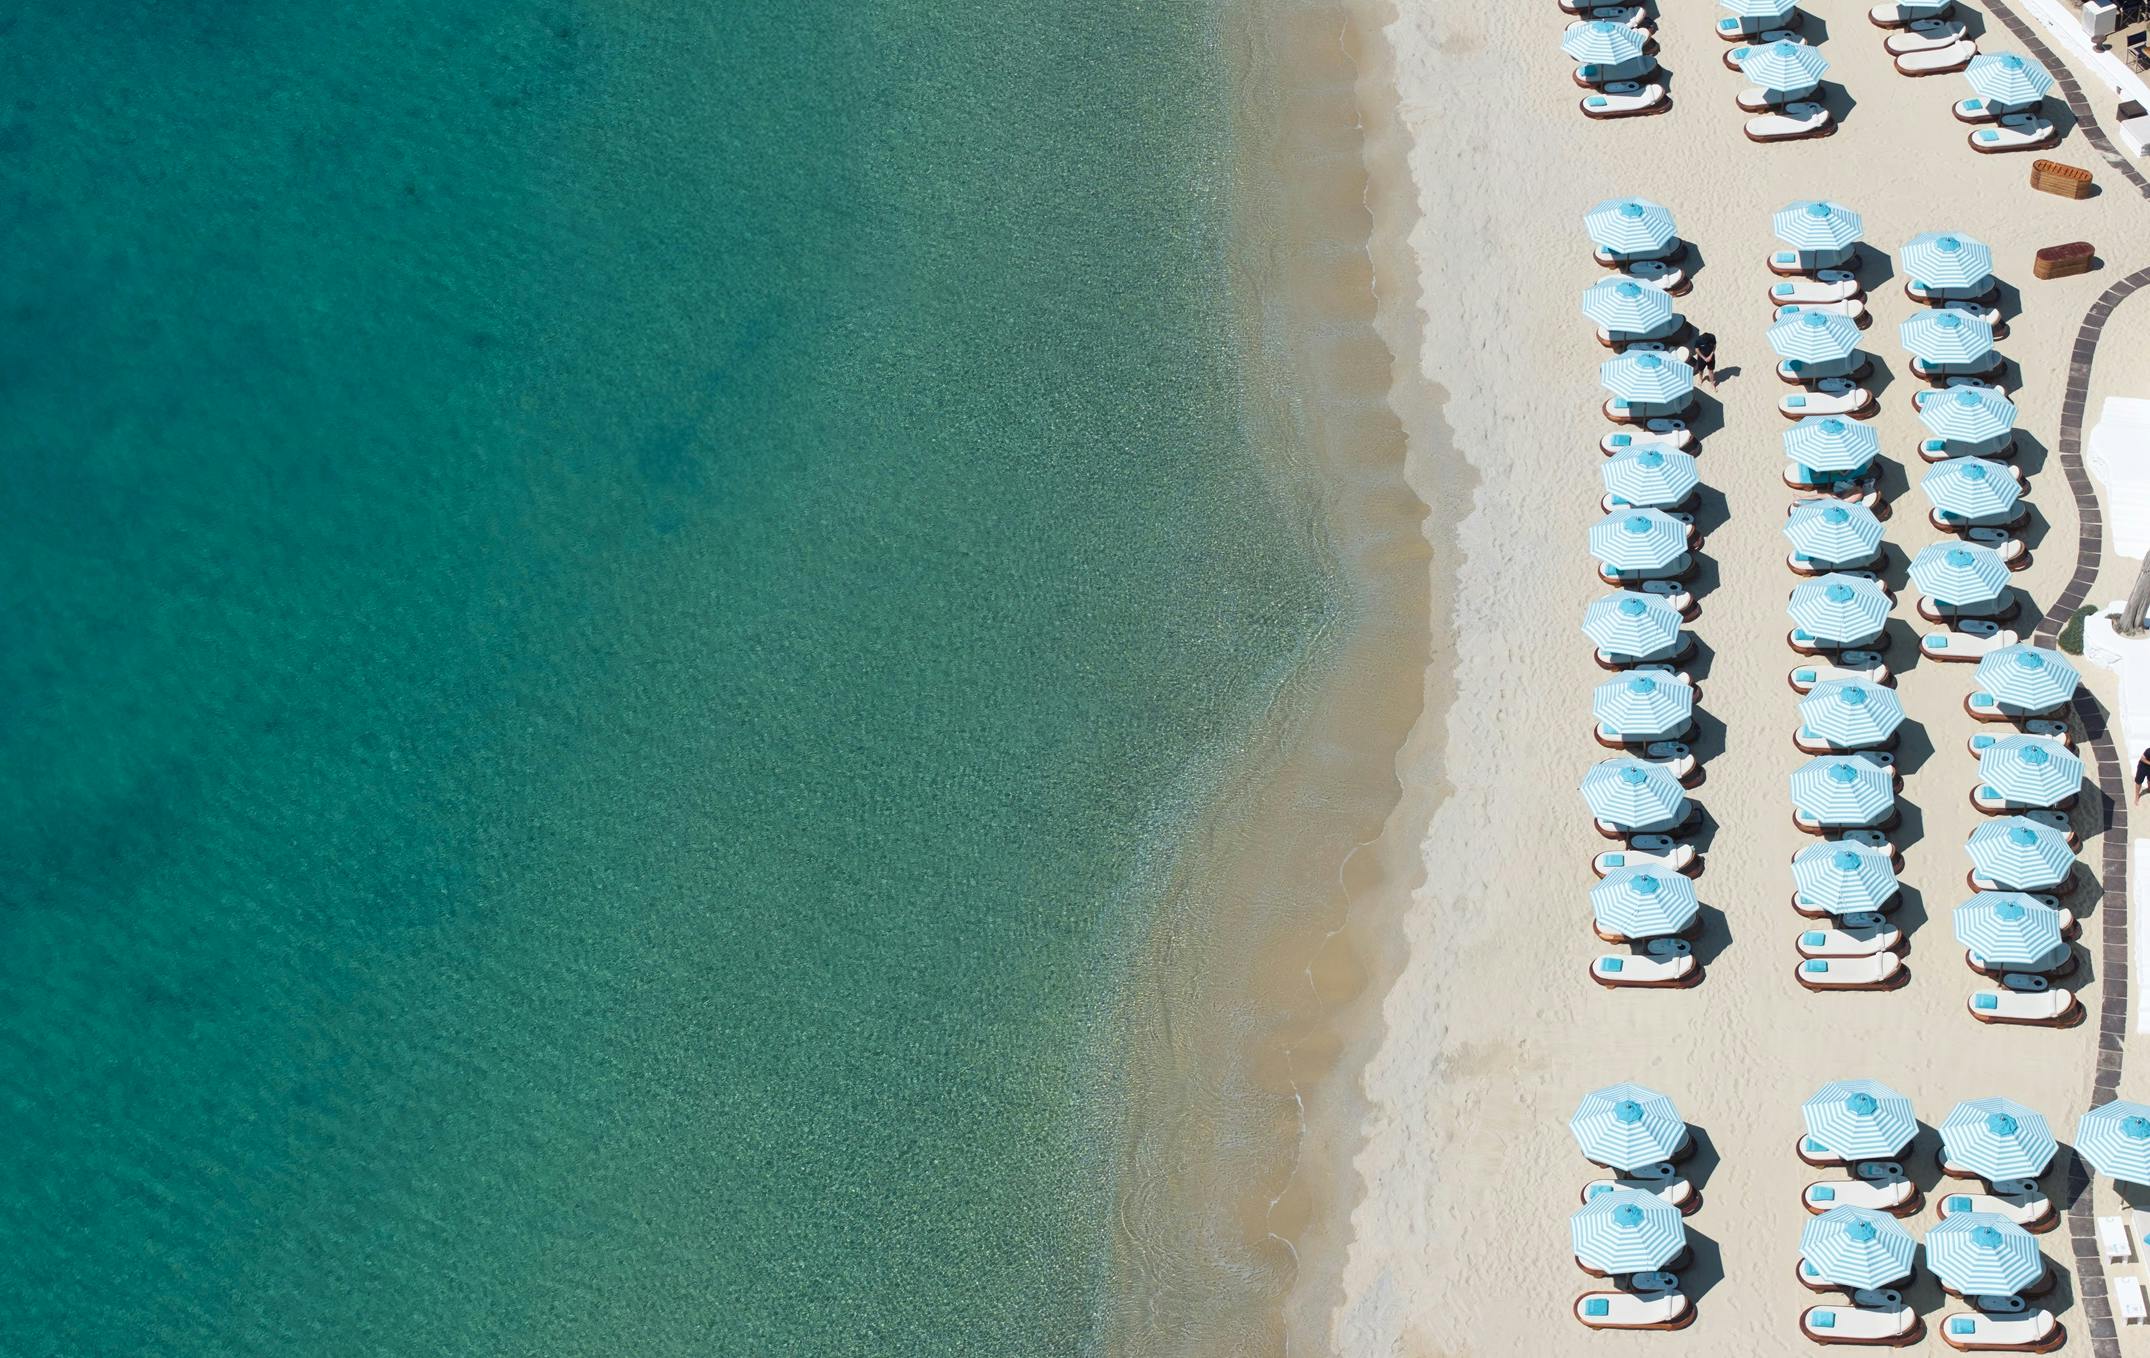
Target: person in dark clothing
<point>2142,775</point>
<point>1704,351</point>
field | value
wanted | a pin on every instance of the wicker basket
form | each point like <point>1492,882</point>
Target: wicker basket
<point>2069,181</point>
<point>2062,261</point>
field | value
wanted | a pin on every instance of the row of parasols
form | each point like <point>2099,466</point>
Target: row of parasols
<point>1633,1225</point>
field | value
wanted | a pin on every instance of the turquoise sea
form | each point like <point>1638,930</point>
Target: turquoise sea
<point>615,614</point>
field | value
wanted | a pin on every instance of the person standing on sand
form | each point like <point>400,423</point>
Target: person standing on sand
<point>1704,355</point>
<point>2142,775</point>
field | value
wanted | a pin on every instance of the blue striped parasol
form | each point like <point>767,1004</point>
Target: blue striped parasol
<point>1984,1254</point>
<point>1842,878</point>
<point>2007,928</point>
<point>2115,1139</point>
<point>1940,336</point>
<point>1843,789</point>
<point>2031,770</point>
<point>1839,610</point>
<point>1998,1139</point>
<point>1857,1247</point>
<point>1643,706</point>
<point>1626,306</point>
<point>1784,67</point>
<point>1859,1119</point>
<point>1947,259</point>
<point>1627,1126</point>
<point>2020,854</point>
<point>1638,539</point>
<point>1959,574</point>
<point>1628,623</point>
<point>1629,794</point>
<point>1831,443</point>
<point>1644,902</point>
<point>1971,488</point>
<point>1650,476</point>
<point>1831,532</point>
<point>2008,79</point>
<point>1817,226</point>
<point>1646,376</point>
<point>1969,414</point>
<point>1629,226</point>
<point>1627,1231</point>
<point>1814,337</point>
<point>1760,9</point>
<point>2028,678</point>
<point>1851,712</point>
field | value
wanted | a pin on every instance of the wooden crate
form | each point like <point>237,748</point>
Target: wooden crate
<point>2061,261</point>
<point>2069,181</point>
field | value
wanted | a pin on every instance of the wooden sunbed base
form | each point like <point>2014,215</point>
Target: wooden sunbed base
<point>1914,1335</point>
<point>1663,105</point>
<point>1827,129</point>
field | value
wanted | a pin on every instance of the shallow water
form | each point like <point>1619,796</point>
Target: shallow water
<point>617,612</point>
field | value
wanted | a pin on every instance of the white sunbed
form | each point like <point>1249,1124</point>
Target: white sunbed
<point>1938,60</point>
<point>1659,274</point>
<point>1803,678</point>
<point>1896,1327</point>
<point>1812,263</point>
<point>2052,1008</point>
<point>1799,372</point>
<point>1897,1196</point>
<point>1865,941</point>
<point>1631,1311</point>
<point>1989,802</point>
<point>1677,597</point>
<point>1978,742</point>
<point>1621,411</point>
<point>2034,1332</point>
<point>1973,640</point>
<point>1923,35</point>
<point>2113,1240</point>
<point>1830,285</point>
<point>1920,398</point>
<point>1634,971</point>
<point>1750,41</point>
<point>1592,75</point>
<point>1677,858</point>
<point>1882,971</point>
<point>1674,434</point>
<point>1919,292</point>
<point>1677,1191</point>
<point>1980,705</point>
<point>1628,16</point>
<point>1755,99</point>
<point>1984,311</point>
<point>2016,132</point>
<point>1898,15</point>
<point>1830,396</point>
<point>1999,610</point>
<point>1853,307</point>
<point>1870,499</point>
<point>2033,1211</point>
<point>1980,110</point>
<point>1625,99</point>
<point>2128,1299</point>
<point>1795,122</point>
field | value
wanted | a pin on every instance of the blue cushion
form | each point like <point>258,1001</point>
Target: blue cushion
<point>1795,401</point>
<point>1614,860</point>
<point>1957,1202</point>
<point>1597,1306</point>
<point>1984,1000</point>
<point>1803,676</point>
<point>1809,1270</point>
<point>1813,1145</point>
<point>1988,136</point>
<point>1817,966</point>
<point>1599,1189</point>
<point>1813,938</point>
<point>1613,964</point>
<point>1824,1193</point>
<point>1622,440</point>
<point>1596,101</point>
<point>1963,1325</point>
<point>1825,1320</point>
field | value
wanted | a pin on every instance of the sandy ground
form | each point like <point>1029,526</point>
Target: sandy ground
<point>1493,1030</point>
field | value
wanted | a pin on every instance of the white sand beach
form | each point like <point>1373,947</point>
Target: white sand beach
<point>1492,1030</point>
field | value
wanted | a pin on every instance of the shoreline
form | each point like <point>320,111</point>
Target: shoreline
<point>1243,1083</point>
<point>1491,1031</point>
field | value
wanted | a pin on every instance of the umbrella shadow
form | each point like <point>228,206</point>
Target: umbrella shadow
<point>2075,1178</point>
<point>1910,913</point>
<point>2034,530</point>
<point>1910,829</point>
<point>1899,641</point>
<point>1922,1158</point>
<point>1711,510</point>
<point>2007,299</point>
<point>1704,1268</point>
<point>1698,661</point>
<point>1913,747</point>
<point>1714,935</point>
<point>1703,578</point>
<point>1696,260</point>
<point>2031,455</point>
<point>1836,98</point>
<point>1873,268</point>
<point>1881,376</point>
